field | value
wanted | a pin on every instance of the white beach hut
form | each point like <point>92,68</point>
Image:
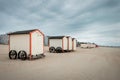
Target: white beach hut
<point>84,45</point>
<point>74,42</point>
<point>88,45</point>
<point>93,45</point>
<point>57,43</point>
<point>69,43</point>
<point>26,44</point>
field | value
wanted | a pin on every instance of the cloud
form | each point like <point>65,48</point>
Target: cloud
<point>87,20</point>
<point>101,34</point>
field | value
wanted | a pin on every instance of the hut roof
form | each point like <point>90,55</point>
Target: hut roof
<point>22,32</point>
<point>56,37</point>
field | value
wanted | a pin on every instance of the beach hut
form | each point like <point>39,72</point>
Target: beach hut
<point>26,44</point>
<point>74,42</point>
<point>93,45</point>
<point>84,45</point>
<point>88,45</point>
<point>69,43</point>
<point>57,43</point>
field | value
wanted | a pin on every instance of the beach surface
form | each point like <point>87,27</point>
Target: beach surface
<point>100,63</point>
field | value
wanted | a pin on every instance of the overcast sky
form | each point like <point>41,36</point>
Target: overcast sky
<point>87,20</point>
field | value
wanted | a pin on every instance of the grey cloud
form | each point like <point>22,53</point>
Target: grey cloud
<point>79,18</point>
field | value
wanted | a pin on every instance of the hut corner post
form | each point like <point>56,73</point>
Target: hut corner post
<point>62,45</point>
<point>30,46</point>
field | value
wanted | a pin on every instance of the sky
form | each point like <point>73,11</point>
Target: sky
<point>96,21</point>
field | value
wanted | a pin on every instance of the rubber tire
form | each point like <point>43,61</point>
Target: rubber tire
<point>13,52</point>
<point>58,49</point>
<point>22,55</point>
<point>52,49</point>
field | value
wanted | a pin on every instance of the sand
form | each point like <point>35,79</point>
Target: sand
<point>84,64</point>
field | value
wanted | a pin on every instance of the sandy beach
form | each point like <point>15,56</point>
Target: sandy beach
<point>100,63</point>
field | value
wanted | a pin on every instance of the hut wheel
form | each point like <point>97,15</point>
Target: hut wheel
<point>22,55</point>
<point>59,50</point>
<point>52,49</point>
<point>12,54</point>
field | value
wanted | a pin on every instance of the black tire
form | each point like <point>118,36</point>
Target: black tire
<point>59,50</point>
<point>13,54</point>
<point>52,49</point>
<point>22,55</point>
